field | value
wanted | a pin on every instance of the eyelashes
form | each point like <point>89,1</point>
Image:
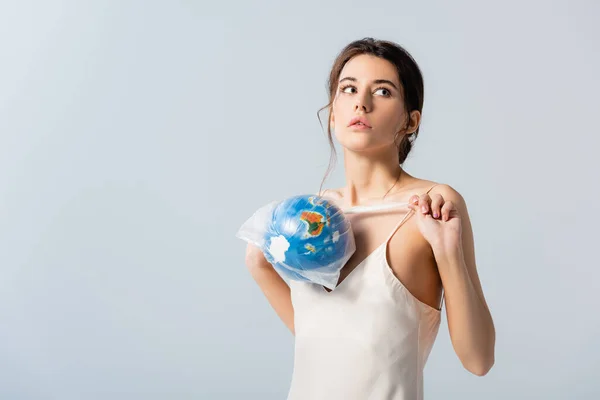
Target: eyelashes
<point>343,88</point>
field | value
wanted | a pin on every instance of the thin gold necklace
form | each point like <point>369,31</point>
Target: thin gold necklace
<point>397,179</point>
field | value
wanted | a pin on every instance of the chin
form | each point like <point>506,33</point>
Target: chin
<point>357,141</point>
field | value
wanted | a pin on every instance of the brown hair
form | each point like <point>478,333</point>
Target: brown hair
<point>409,74</point>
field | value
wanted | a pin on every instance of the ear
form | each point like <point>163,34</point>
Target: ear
<point>415,120</point>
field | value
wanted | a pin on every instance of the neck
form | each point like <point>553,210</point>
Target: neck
<point>369,177</point>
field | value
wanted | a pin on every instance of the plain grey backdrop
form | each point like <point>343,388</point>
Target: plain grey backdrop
<point>137,136</point>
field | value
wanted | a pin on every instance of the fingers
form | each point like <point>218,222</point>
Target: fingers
<point>424,201</point>
<point>437,201</point>
<point>420,202</point>
<point>447,209</point>
<point>427,204</point>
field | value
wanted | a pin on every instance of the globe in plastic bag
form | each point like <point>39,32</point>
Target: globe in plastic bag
<point>305,238</point>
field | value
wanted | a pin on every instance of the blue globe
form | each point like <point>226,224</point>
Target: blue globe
<point>308,233</point>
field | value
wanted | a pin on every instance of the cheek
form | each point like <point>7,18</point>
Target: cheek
<point>361,140</point>
<point>342,110</point>
<point>338,105</point>
<point>386,119</point>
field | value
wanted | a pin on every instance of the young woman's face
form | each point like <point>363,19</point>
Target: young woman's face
<point>369,87</point>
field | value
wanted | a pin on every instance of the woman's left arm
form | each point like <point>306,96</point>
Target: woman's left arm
<point>450,235</point>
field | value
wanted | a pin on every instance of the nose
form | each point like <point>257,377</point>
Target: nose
<point>361,104</point>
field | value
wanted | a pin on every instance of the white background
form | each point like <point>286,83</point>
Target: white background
<point>136,137</point>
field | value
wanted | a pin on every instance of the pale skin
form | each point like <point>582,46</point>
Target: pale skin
<point>434,249</point>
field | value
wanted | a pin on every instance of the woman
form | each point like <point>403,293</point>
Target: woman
<point>370,337</point>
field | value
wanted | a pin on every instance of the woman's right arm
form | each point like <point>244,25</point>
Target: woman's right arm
<point>272,285</point>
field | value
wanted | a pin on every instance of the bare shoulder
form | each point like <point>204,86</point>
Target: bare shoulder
<point>419,187</point>
<point>414,186</point>
<point>333,193</point>
<point>448,192</point>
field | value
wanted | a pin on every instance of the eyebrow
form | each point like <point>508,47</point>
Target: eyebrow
<point>376,81</point>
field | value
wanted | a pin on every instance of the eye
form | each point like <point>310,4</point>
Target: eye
<point>389,93</point>
<point>343,88</point>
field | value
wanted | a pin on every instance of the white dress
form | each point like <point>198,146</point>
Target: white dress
<point>369,338</point>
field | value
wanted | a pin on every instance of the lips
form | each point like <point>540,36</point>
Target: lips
<point>359,122</point>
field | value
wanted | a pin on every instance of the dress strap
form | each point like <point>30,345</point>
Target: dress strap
<point>429,190</point>
<point>408,214</point>
<point>398,225</point>
<point>442,301</point>
<point>375,207</point>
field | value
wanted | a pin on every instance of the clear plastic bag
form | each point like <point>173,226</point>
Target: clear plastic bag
<point>305,238</point>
